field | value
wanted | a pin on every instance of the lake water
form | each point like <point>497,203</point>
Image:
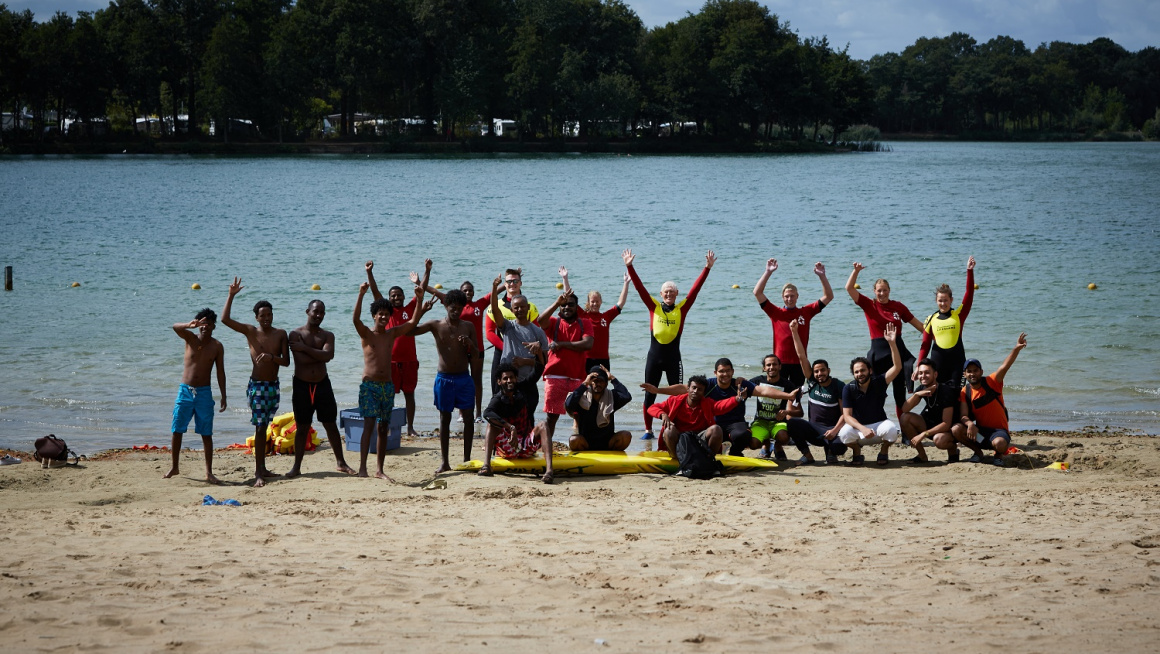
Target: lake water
<point>99,365</point>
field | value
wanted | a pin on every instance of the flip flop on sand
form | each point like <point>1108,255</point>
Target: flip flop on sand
<point>547,478</point>
<point>858,460</point>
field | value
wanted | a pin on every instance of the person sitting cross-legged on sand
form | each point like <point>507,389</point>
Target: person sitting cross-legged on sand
<point>984,412</point>
<point>862,401</point>
<point>593,404</point>
<point>509,425</point>
<point>936,422</point>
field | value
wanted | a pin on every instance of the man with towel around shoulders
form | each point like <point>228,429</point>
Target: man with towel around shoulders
<point>593,405</point>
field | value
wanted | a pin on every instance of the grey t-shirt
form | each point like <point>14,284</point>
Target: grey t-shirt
<point>514,337</point>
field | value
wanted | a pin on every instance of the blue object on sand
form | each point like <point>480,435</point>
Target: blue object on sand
<point>210,501</point>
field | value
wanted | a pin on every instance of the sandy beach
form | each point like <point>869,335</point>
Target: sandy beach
<point>963,557</point>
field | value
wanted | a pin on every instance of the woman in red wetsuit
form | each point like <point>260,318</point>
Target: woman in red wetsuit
<point>882,311</point>
<point>601,321</point>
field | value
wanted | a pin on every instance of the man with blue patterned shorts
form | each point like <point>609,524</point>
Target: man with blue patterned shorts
<point>194,397</point>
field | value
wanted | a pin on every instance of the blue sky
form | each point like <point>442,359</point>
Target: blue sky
<point>875,26</point>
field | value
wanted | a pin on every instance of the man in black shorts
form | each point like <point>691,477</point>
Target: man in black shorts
<point>312,346</point>
<point>936,420</point>
<point>823,395</point>
<point>592,404</point>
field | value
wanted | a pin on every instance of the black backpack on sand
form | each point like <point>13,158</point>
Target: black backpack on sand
<point>695,459</point>
<point>52,448</point>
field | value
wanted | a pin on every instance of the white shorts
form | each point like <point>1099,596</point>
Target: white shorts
<point>883,431</point>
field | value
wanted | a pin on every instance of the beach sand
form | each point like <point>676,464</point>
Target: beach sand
<point>966,557</point>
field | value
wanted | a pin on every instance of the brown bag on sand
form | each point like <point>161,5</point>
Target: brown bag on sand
<point>50,448</point>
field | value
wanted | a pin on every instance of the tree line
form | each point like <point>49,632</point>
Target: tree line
<point>557,67</point>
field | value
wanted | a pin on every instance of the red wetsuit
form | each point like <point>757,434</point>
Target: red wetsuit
<point>782,337</point>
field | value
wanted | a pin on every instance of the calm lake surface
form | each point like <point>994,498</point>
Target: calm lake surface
<point>99,364</point>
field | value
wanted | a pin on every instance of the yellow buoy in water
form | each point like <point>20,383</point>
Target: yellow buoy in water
<point>736,286</point>
<point>316,287</point>
<point>196,287</point>
<point>76,284</point>
<point>976,287</point>
<point>857,286</point>
<point>1092,287</point>
<point>559,284</point>
<point>438,286</point>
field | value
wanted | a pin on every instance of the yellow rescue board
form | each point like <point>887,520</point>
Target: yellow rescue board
<point>612,463</point>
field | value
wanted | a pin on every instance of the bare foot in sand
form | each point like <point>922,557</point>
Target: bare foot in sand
<point>266,473</point>
<point>547,478</point>
<point>382,475</point>
<point>293,472</point>
<point>485,471</point>
<point>172,472</point>
<point>342,467</point>
<point>259,482</point>
<point>411,433</point>
<point>210,479</point>
<point>443,468</point>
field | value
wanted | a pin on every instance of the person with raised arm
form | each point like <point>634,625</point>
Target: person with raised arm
<point>782,316</point>
<point>376,394</point>
<point>692,411</point>
<point>473,312</point>
<point>525,345</point>
<point>454,386</point>
<point>513,283</point>
<point>667,322</point>
<point>937,420</point>
<point>824,399</point>
<point>984,411</point>
<point>601,321</point>
<point>593,404</point>
<point>194,397</point>
<point>569,340</point>
<point>862,401</point>
<point>942,333</point>
<point>879,312</point>
<point>312,348</point>
<point>404,358</point>
<point>269,350</point>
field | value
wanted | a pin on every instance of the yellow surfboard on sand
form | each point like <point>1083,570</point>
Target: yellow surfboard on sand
<point>612,463</point>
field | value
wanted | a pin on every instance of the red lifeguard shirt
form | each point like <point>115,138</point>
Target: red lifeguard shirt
<point>879,315</point>
<point>404,347</point>
<point>782,336</point>
<point>562,362</point>
<point>473,313</point>
<point>686,418</point>
<point>600,324</point>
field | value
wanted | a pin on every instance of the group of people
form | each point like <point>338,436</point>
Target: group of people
<point>569,353</point>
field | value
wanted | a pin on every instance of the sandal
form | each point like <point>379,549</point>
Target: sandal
<point>547,478</point>
<point>858,460</point>
<point>805,461</point>
<point>883,458</point>
<point>485,471</point>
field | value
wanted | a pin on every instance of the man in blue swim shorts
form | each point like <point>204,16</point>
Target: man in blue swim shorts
<point>454,386</point>
<point>194,398</point>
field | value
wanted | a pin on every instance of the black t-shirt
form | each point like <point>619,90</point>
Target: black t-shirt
<point>716,393</point>
<point>825,402</point>
<point>767,407</point>
<point>943,397</point>
<point>866,407</point>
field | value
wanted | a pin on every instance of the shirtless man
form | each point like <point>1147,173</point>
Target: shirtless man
<point>473,313</point>
<point>376,394</point>
<point>936,422</point>
<point>458,364</point>
<point>403,357</point>
<point>269,350</point>
<point>194,398</point>
<point>312,347</point>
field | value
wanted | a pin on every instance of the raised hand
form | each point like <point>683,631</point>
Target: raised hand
<point>1022,342</point>
<point>362,288</point>
<point>563,272</point>
<point>496,284</point>
<point>793,326</point>
<point>430,303</point>
<point>414,277</point>
<point>607,372</point>
<point>710,259</point>
<point>819,269</point>
<point>858,267</point>
<point>427,263</point>
<point>890,332</point>
<point>970,263</point>
<point>590,380</point>
<point>627,278</point>
<point>236,286</point>
<point>771,265</point>
<point>628,257</point>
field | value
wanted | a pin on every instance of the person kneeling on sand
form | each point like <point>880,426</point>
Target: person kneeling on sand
<point>693,411</point>
<point>509,425</point>
<point>936,422</point>
<point>592,404</point>
<point>984,412</point>
<point>862,401</point>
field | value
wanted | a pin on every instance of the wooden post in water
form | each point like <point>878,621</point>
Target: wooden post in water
<point>8,278</point>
